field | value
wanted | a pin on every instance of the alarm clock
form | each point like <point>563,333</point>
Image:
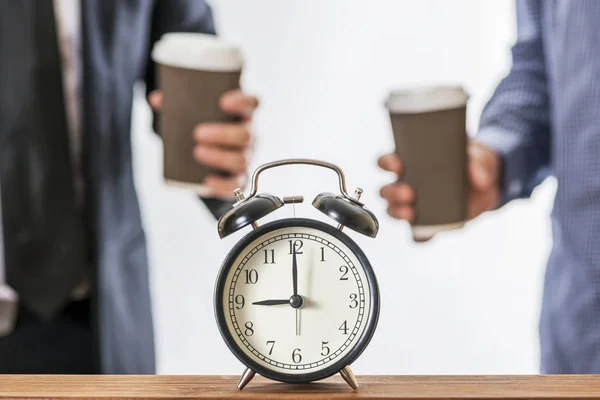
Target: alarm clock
<point>296,299</point>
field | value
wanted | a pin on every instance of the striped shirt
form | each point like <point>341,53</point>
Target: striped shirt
<point>544,118</point>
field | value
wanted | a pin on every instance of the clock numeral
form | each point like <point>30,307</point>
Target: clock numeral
<point>272,344</point>
<point>269,260</point>
<point>344,328</point>
<point>325,349</point>
<point>240,301</point>
<point>353,300</point>
<point>296,356</point>
<point>249,329</point>
<point>344,271</point>
<point>296,246</point>
<point>322,253</point>
<point>251,276</point>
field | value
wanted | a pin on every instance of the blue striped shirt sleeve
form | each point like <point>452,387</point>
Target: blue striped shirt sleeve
<point>515,122</point>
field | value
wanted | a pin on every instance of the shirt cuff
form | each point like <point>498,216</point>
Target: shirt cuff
<point>514,168</point>
<point>6,293</point>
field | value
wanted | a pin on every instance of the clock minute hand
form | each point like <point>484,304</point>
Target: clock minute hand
<point>295,273</point>
<point>271,302</point>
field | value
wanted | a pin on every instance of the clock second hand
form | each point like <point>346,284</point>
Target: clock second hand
<point>297,300</point>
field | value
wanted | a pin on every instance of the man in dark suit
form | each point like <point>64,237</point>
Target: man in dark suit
<point>74,295</point>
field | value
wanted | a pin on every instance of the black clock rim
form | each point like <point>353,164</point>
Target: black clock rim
<point>336,366</point>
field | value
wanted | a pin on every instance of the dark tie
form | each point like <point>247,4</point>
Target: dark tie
<point>43,232</point>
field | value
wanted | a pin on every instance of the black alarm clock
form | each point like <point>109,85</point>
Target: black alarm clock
<point>296,299</point>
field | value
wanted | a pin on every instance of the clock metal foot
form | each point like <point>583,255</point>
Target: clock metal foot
<point>349,377</point>
<point>246,378</point>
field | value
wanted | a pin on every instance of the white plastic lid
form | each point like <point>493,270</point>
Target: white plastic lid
<point>197,51</point>
<point>424,99</point>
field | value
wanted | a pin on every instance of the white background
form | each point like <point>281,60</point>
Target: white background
<point>465,303</point>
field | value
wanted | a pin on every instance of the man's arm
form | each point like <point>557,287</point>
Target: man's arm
<point>516,121</point>
<point>511,152</point>
<point>181,16</point>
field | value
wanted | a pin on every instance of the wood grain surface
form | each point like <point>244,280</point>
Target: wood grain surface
<point>371,387</point>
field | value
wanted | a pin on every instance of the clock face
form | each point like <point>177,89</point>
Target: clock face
<point>297,298</point>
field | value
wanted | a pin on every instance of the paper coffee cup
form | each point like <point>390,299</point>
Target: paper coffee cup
<point>429,127</point>
<point>194,70</point>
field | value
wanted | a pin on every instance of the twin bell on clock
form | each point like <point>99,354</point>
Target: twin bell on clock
<point>296,299</point>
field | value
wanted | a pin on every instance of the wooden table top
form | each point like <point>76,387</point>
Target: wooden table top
<point>371,387</point>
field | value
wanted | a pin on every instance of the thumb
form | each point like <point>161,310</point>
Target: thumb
<point>155,99</point>
<point>483,167</point>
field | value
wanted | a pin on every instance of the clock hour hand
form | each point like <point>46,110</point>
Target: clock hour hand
<point>271,302</point>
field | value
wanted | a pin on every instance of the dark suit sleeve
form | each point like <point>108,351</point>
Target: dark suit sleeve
<point>180,16</point>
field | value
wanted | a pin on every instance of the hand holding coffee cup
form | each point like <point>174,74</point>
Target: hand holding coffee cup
<point>483,175</point>
<point>204,116</point>
<point>222,146</point>
<point>443,178</point>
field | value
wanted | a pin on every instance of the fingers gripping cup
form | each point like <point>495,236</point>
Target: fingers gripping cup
<point>429,126</point>
<point>194,70</point>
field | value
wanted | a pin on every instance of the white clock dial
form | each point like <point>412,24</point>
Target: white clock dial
<point>258,300</point>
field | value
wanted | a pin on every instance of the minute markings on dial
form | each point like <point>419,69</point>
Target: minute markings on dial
<point>352,273</point>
